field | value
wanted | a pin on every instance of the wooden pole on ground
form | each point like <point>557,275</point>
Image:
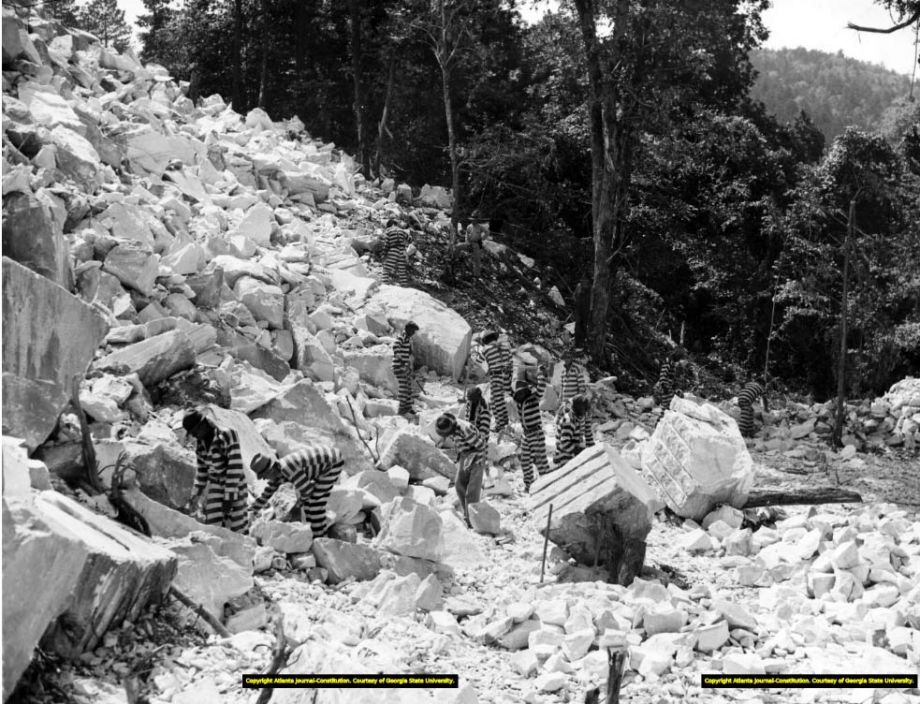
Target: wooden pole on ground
<point>549,518</point>
<point>218,627</point>
<point>617,661</point>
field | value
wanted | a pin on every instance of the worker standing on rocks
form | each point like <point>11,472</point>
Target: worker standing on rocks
<point>666,386</point>
<point>498,357</point>
<point>396,242</point>
<point>403,367</point>
<point>220,483</point>
<point>573,429</point>
<point>313,471</point>
<point>533,446</point>
<point>752,391</point>
<point>477,411</point>
<point>574,384</point>
<point>471,449</point>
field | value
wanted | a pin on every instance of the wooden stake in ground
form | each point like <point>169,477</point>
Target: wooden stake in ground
<point>616,660</point>
<point>200,611</point>
<point>549,518</point>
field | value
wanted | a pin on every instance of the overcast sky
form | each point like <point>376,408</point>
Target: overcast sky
<point>814,24</point>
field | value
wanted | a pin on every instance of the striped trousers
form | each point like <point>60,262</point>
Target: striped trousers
<point>314,503</point>
<point>469,482</point>
<point>746,423</point>
<point>226,509</point>
<point>499,389</point>
<point>405,392</point>
<point>533,454</point>
<point>394,266</point>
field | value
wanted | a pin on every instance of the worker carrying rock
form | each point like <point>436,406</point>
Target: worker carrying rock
<point>403,368</point>
<point>313,471</point>
<point>220,491</point>
<point>471,448</point>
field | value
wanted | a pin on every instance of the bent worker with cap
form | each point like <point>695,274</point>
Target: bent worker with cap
<point>573,430</point>
<point>312,470</point>
<point>220,483</point>
<point>471,449</point>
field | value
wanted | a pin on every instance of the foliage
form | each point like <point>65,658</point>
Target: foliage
<point>834,90</point>
<point>104,19</point>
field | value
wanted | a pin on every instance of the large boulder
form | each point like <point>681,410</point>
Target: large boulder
<point>33,238</point>
<point>602,509</point>
<point>414,451</point>
<point>442,342</point>
<point>154,359</point>
<point>165,473</point>
<point>289,436</point>
<point>411,529</point>
<point>265,301</point>
<point>696,458</point>
<point>374,365</point>
<point>150,152</point>
<point>74,570</point>
<point>346,560</point>
<point>49,336</point>
<point>206,577</point>
<point>134,265</point>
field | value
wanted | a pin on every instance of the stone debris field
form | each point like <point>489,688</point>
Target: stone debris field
<point>160,255</point>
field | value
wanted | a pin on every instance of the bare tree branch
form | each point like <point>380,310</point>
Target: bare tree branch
<point>878,30</point>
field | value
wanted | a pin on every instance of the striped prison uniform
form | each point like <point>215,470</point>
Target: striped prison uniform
<point>750,393</point>
<point>394,262</point>
<point>313,471</point>
<point>471,448</point>
<point>220,474</point>
<point>498,357</point>
<point>402,367</point>
<point>664,388</point>
<point>573,384</point>
<point>573,434</point>
<point>533,447</point>
<point>480,417</point>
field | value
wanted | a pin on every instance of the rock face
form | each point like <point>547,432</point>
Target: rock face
<point>49,336</point>
<point>344,560</point>
<point>62,560</point>
<point>414,451</point>
<point>696,458</point>
<point>32,238</point>
<point>443,340</point>
<point>154,359</point>
<point>411,529</point>
<point>206,577</point>
<point>594,492</point>
<point>164,472</point>
<point>374,365</point>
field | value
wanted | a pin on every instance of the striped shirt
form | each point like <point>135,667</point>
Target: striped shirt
<point>302,469</point>
<point>573,433</point>
<point>221,463</point>
<point>498,356</point>
<point>396,239</point>
<point>402,351</point>
<point>573,381</point>
<point>750,393</point>
<point>481,417</point>
<point>468,441</point>
<point>529,410</point>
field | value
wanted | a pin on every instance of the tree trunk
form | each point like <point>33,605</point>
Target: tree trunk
<point>382,125</point>
<point>263,73</point>
<point>454,163</point>
<point>238,56</point>
<point>807,497</point>
<point>356,57</point>
<point>842,362</point>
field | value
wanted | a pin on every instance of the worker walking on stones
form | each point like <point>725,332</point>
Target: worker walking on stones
<point>752,391</point>
<point>498,357</point>
<point>402,367</point>
<point>573,378</point>
<point>313,471</point>
<point>533,446</point>
<point>573,429</point>
<point>477,411</point>
<point>220,483</point>
<point>396,242</point>
<point>666,386</point>
<point>471,447</point>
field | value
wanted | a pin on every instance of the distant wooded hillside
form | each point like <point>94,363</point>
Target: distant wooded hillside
<point>836,91</point>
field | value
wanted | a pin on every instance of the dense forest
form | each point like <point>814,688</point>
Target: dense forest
<point>624,142</point>
<point>835,90</point>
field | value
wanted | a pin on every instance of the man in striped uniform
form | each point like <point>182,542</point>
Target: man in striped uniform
<point>402,367</point>
<point>666,387</point>
<point>752,391</point>
<point>313,471</point>
<point>574,384</point>
<point>533,447</point>
<point>471,447</point>
<point>477,411</point>
<point>396,242</point>
<point>220,483</point>
<point>573,430</point>
<point>498,356</point>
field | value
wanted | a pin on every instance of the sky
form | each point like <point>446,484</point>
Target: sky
<point>814,24</point>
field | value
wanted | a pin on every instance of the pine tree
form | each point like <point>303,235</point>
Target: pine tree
<point>64,11</point>
<point>107,22</point>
